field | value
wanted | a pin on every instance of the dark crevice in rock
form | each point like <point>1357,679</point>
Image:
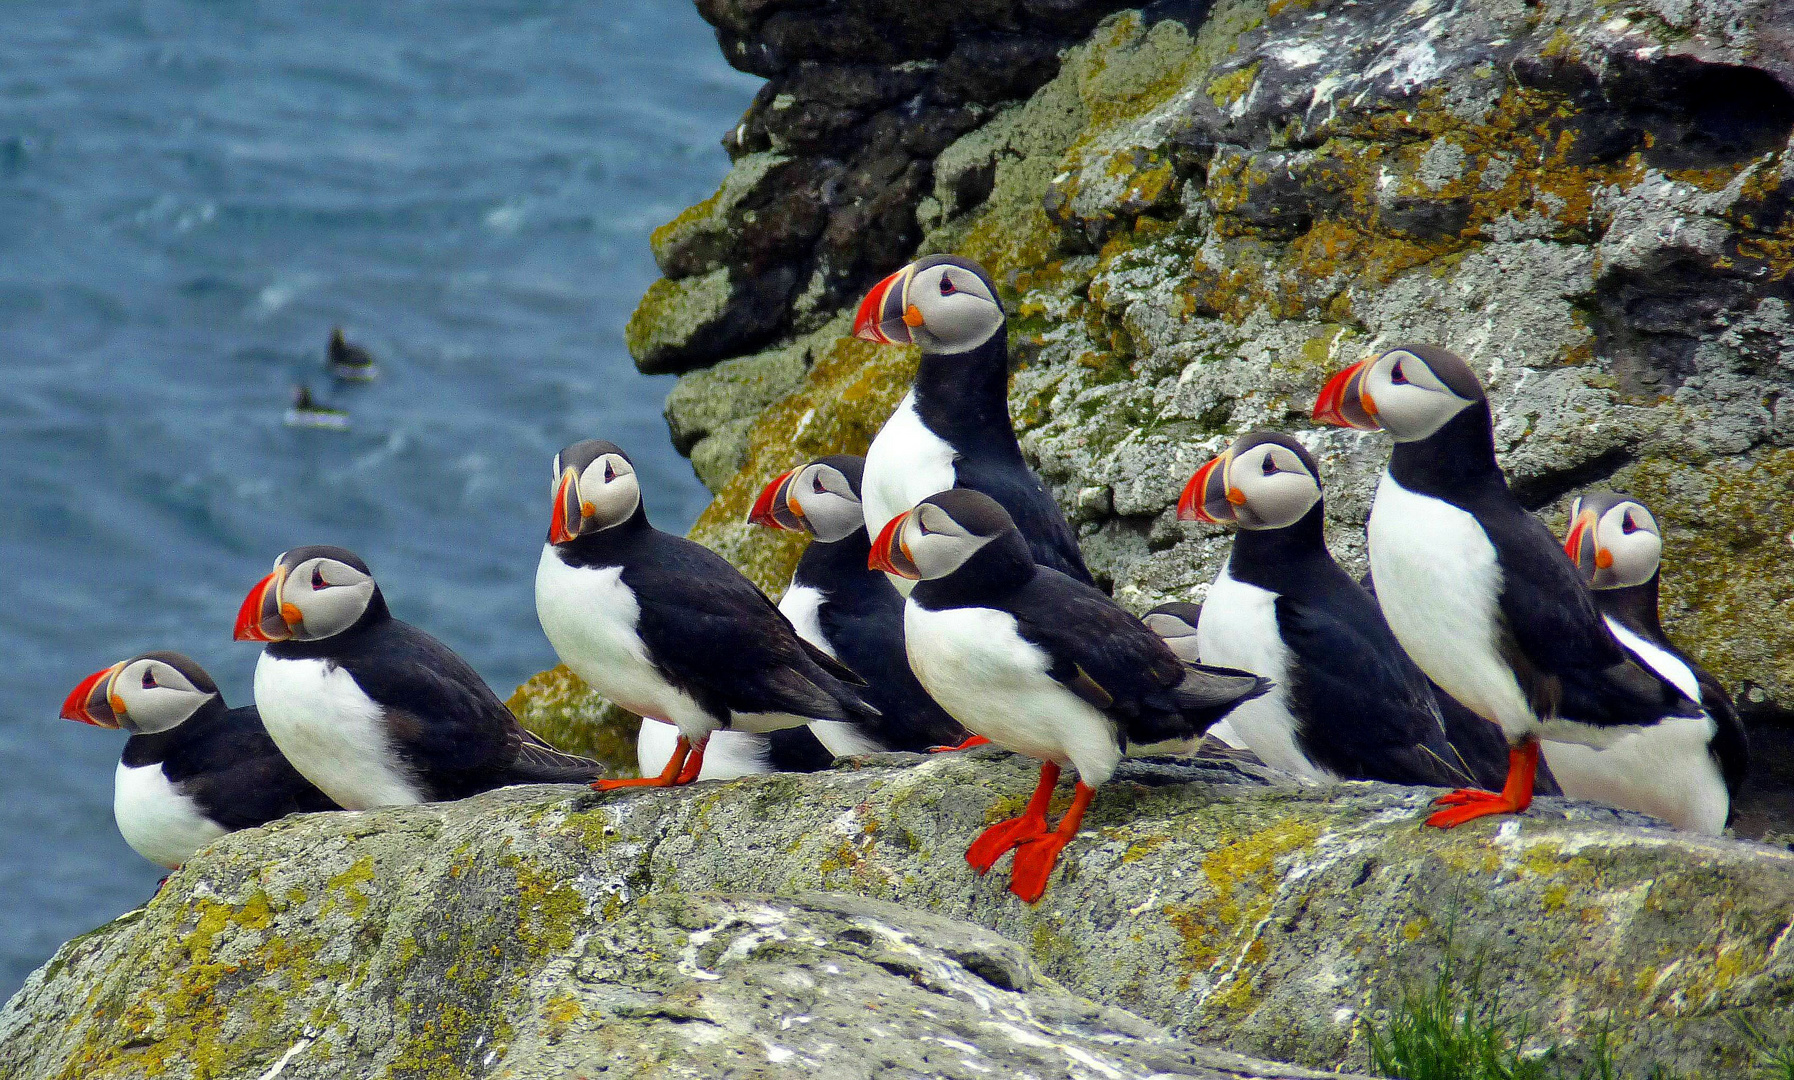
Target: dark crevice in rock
<point>1537,492</point>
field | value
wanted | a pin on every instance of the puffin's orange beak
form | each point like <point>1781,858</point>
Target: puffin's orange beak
<point>884,316</point>
<point>91,700</point>
<point>260,618</point>
<point>775,508</point>
<point>1343,402</point>
<point>890,554</point>
<point>1207,497</point>
<point>1581,547</point>
<point>568,513</point>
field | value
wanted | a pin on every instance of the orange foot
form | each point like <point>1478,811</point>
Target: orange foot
<point>971,741</point>
<point>1515,796</point>
<point>994,841</point>
<point>682,768</point>
<point>1035,859</point>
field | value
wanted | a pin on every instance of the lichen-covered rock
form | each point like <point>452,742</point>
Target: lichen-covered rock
<point>1207,209</point>
<point>551,931</point>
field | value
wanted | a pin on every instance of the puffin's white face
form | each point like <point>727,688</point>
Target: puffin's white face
<point>313,593</point>
<point>1263,481</point>
<point>1176,624</point>
<point>944,305</point>
<point>825,501</point>
<point>595,488</point>
<point>1614,540</point>
<point>143,695</point>
<point>156,696</point>
<point>1407,398</point>
<point>1410,392</point>
<point>925,543</point>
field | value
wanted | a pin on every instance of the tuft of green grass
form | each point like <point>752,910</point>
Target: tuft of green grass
<point>1452,1030</point>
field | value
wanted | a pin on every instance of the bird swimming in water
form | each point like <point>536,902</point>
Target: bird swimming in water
<point>348,361</point>
<point>306,412</point>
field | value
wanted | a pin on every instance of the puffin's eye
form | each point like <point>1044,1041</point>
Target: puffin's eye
<point>816,485</point>
<point>149,679</point>
<point>1269,465</point>
<point>1627,525</point>
<point>947,288</point>
<point>317,579</point>
<point>610,472</point>
<point>1396,376</point>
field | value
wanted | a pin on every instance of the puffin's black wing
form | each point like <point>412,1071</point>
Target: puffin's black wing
<point>447,722</point>
<point>1369,713</point>
<point>713,633</point>
<point>233,770</point>
<point>797,750</point>
<point>1110,659</point>
<point>1037,517</point>
<point>539,763</point>
<point>1564,656</point>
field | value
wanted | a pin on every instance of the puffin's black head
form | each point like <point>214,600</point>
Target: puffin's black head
<point>1410,391</point>
<point>942,533</point>
<point>1265,480</point>
<point>313,593</point>
<point>1614,540</point>
<point>150,692</point>
<point>943,303</point>
<point>821,498</point>
<point>595,488</point>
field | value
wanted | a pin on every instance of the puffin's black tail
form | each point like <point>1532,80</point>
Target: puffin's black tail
<point>1209,693</point>
<point>539,763</point>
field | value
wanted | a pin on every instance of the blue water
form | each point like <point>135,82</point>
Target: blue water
<point>191,193</point>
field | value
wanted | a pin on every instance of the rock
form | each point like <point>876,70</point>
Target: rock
<point>1207,209</point>
<point>551,931</point>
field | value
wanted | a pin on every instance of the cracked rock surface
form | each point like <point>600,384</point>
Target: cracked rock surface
<point>827,925</point>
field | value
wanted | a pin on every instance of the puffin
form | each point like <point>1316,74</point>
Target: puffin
<point>953,429</point>
<point>839,604</point>
<point>307,412</point>
<point>1347,703</point>
<point>348,361</point>
<point>732,754</point>
<point>1478,590</point>
<point>666,628</point>
<point>1683,771</point>
<point>371,709</point>
<point>194,768</point>
<point>1039,663</point>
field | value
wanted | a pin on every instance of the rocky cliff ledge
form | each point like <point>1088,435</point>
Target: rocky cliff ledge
<point>827,925</point>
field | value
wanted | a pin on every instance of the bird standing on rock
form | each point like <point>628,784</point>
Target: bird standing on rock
<point>1475,588</point>
<point>193,768</point>
<point>953,429</point>
<point>372,710</point>
<point>1348,703</point>
<point>1040,664</point>
<point>1685,771</point>
<point>839,604</point>
<point>665,627</point>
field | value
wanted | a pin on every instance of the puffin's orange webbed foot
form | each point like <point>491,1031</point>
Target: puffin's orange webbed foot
<point>970,741</point>
<point>1515,796</point>
<point>1035,859</point>
<point>994,841</point>
<point>682,768</point>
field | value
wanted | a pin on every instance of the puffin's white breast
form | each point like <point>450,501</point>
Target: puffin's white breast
<point>1238,629</point>
<point>802,605</point>
<point>332,732</point>
<point>590,617</point>
<point>975,663</point>
<point>1440,586</point>
<point>727,755</point>
<point>1665,770</point>
<point>905,464</point>
<point>161,824</point>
